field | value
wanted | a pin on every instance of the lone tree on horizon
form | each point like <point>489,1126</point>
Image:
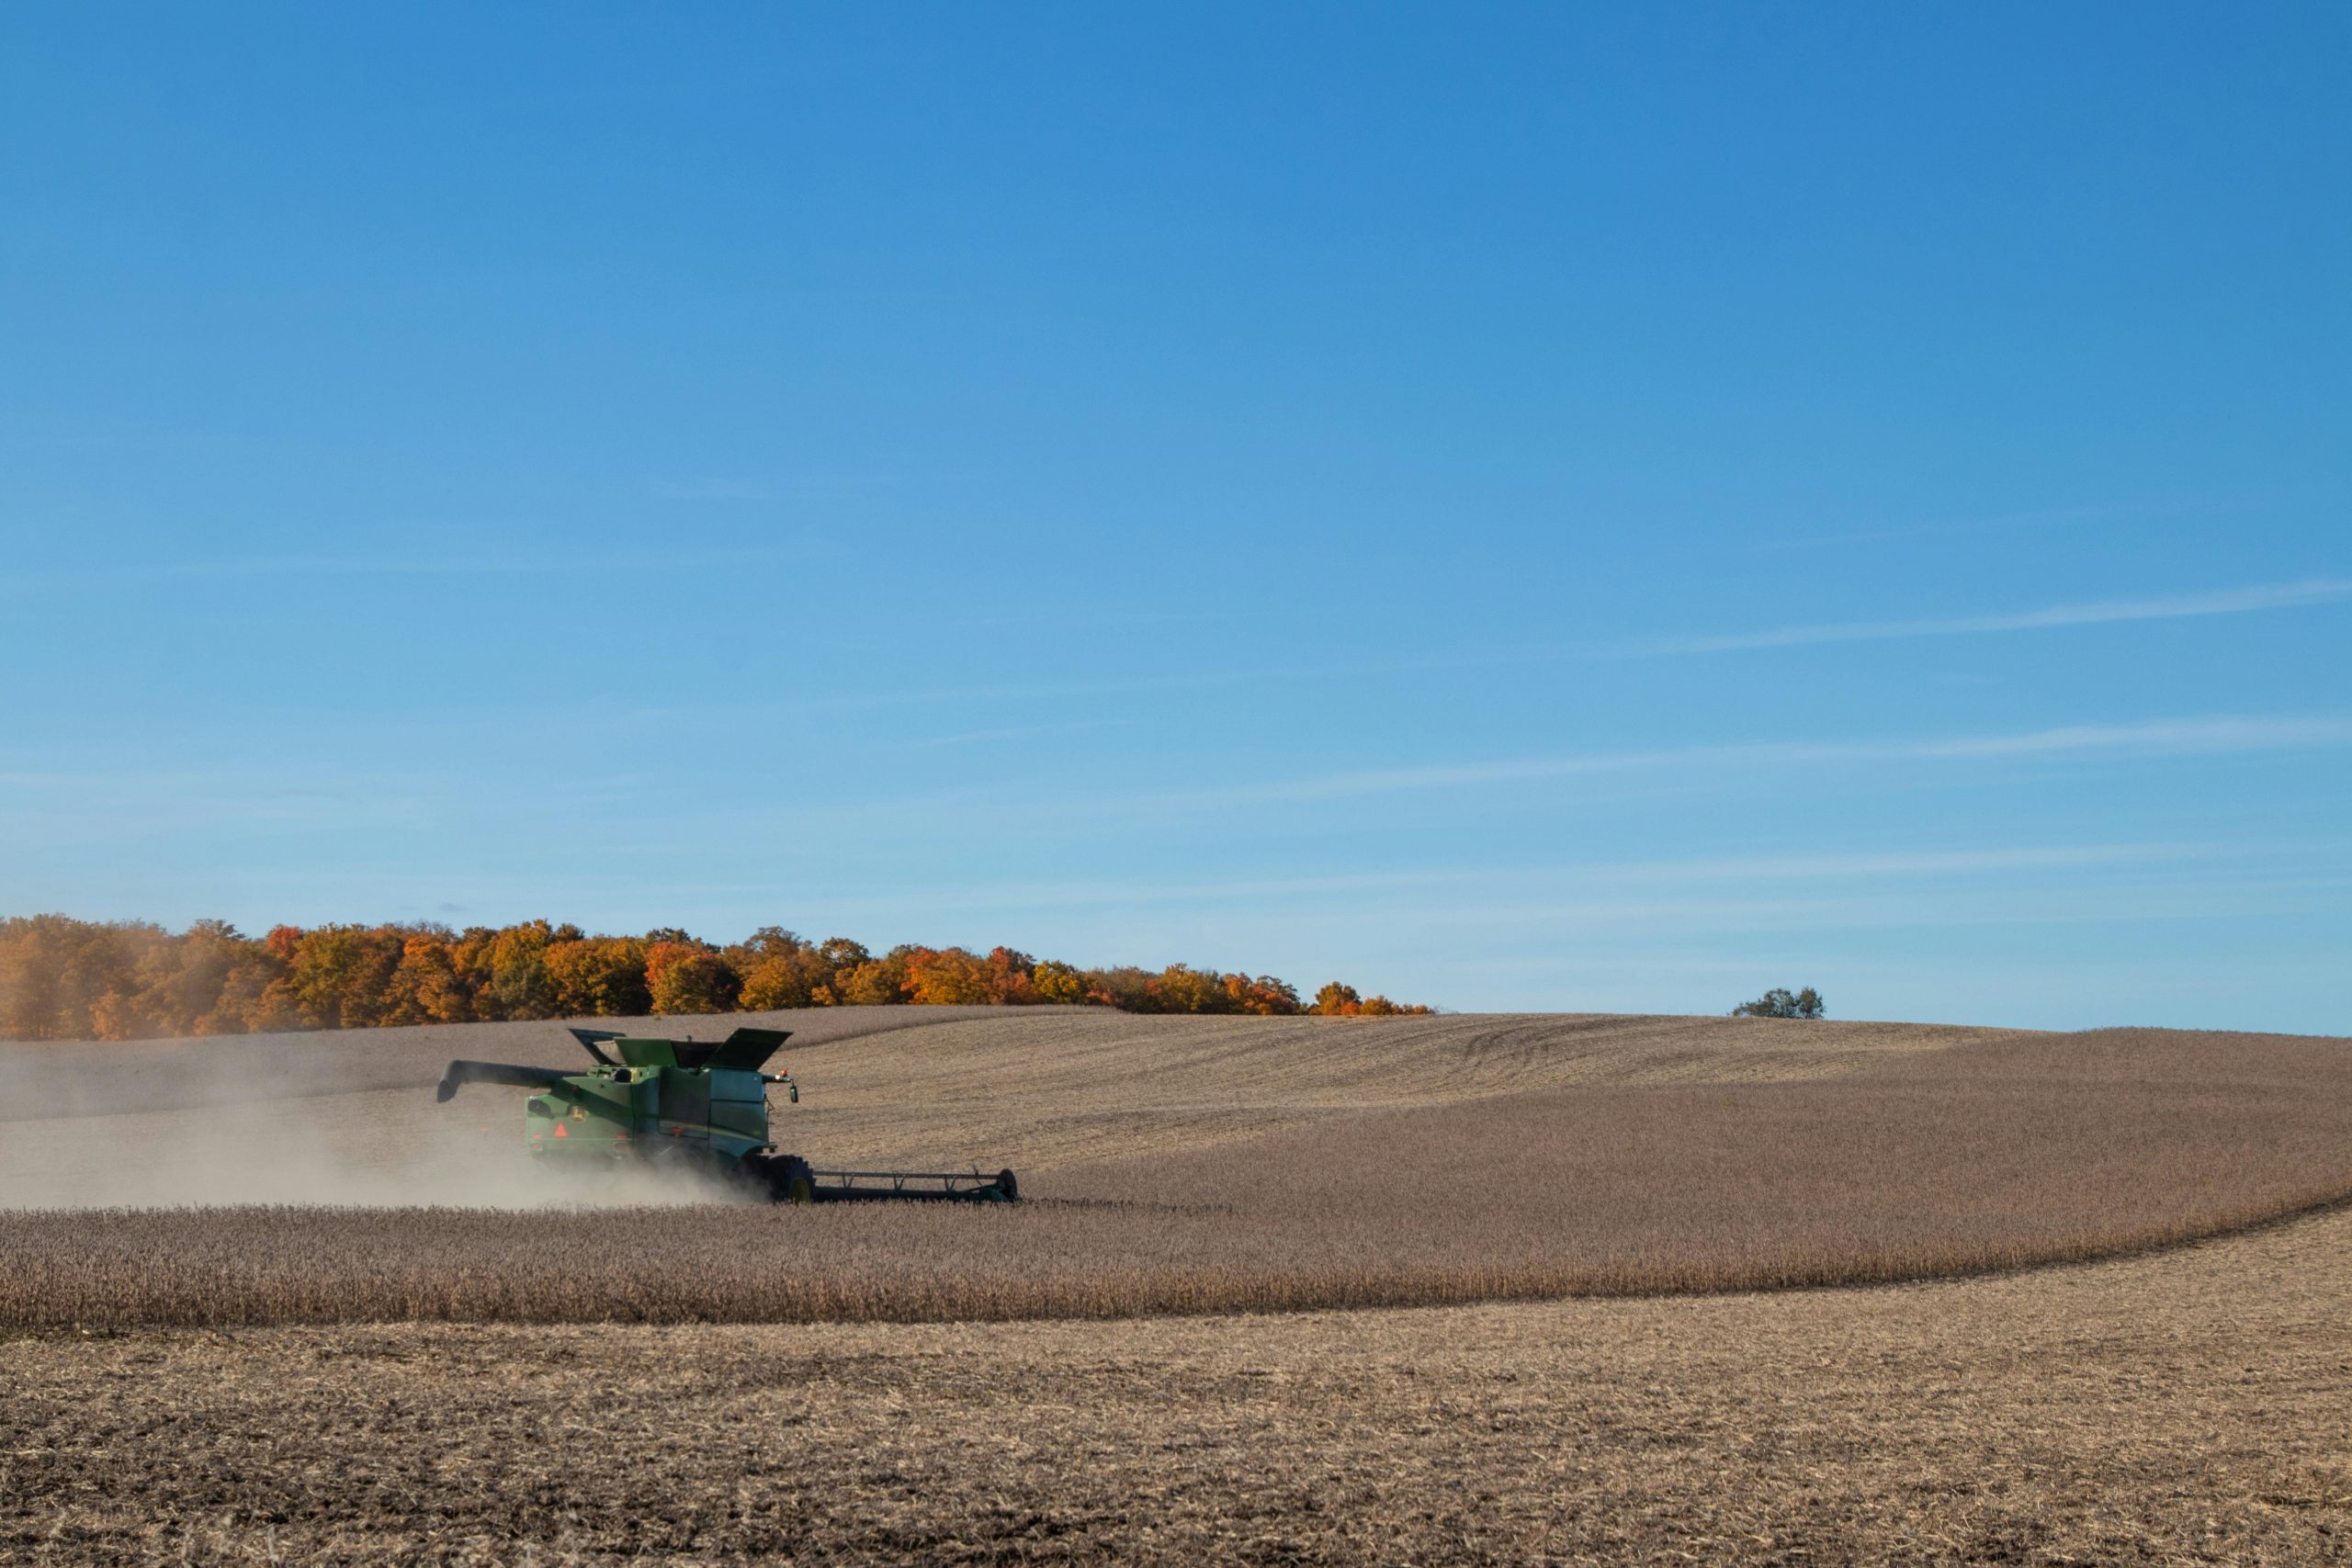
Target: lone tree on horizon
<point>1778,1003</point>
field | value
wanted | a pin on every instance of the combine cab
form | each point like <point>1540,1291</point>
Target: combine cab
<point>697,1105</point>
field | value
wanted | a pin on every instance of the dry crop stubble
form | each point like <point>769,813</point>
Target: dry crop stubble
<point>349,1117</point>
<point>1990,1154</point>
<point>2178,1408</point>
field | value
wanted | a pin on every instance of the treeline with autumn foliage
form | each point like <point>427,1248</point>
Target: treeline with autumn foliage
<point>68,979</point>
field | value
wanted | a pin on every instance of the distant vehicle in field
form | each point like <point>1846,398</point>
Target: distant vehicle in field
<point>698,1105</point>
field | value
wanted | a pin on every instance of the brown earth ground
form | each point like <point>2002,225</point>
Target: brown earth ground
<point>1260,1165</point>
<point>349,1116</point>
<point>2180,1406</point>
<point>2184,1407</point>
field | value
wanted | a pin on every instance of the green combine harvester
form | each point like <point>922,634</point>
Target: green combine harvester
<point>695,1105</point>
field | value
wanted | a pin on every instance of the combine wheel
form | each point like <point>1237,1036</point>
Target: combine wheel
<point>1008,1185</point>
<point>779,1179</point>
<point>790,1180</point>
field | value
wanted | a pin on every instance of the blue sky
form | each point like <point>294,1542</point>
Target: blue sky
<point>1520,507</point>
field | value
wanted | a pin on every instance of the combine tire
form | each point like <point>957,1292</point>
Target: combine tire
<point>790,1180</point>
<point>1008,1185</point>
<point>779,1179</point>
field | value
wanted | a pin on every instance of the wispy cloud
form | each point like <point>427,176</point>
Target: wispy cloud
<point>437,561</point>
<point>1017,732</point>
<point>2224,601</point>
<point>2165,737</point>
<point>1729,766</point>
<point>2191,899</point>
<point>1776,869</point>
<point>2219,601</point>
<point>2168,736</point>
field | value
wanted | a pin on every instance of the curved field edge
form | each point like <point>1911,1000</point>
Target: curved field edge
<point>1985,1157</point>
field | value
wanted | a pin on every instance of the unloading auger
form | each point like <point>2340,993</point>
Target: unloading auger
<point>696,1104</point>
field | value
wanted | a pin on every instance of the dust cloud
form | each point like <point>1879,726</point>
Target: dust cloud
<point>183,1123</point>
<point>330,1117</point>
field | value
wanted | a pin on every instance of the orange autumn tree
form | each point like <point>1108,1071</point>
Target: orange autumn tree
<point>684,976</point>
<point>62,978</point>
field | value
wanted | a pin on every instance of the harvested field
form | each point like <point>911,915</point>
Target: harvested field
<point>1600,1173</point>
<point>216,1120</point>
<point>2181,1408</point>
